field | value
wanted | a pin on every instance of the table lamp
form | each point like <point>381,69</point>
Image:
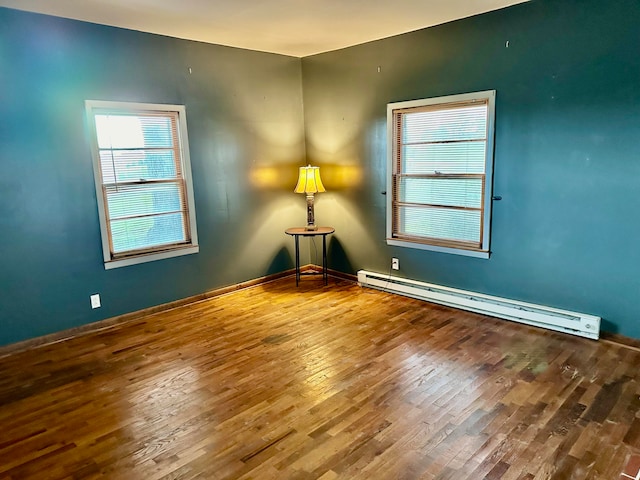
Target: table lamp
<point>309,183</point>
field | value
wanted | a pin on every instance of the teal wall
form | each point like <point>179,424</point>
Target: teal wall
<point>245,125</point>
<point>567,160</point>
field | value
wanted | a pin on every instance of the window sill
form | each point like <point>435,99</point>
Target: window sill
<point>436,248</point>
<point>150,257</point>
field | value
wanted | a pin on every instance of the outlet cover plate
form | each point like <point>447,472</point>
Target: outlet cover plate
<point>95,300</point>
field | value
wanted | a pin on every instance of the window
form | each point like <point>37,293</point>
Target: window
<point>440,164</point>
<point>143,181</point>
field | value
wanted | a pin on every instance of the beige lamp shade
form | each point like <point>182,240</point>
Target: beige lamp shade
<point>309,180</point>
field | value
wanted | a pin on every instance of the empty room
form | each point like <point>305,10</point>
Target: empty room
<point>319,240</point>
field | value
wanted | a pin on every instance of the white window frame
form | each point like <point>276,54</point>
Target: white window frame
<point>94,107</point>
<point>484,250</point>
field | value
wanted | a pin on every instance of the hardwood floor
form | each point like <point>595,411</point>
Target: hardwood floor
<point>275,382</point>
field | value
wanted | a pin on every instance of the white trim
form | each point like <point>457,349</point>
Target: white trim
<point>186,170</point>
<point>117,107</point>
<point>120,107</point>
<point>124,262</point>
<point>394,242</point>
<point>97,175</point>
<point>490,96</point>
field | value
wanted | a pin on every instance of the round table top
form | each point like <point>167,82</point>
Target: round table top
<point>304,231</point>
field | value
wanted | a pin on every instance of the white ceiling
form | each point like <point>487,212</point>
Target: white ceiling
<point>290,27</point>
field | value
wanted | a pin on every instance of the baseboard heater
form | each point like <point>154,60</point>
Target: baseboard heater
<point>537,315</point>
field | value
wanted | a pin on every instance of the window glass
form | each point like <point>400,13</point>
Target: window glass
<point>142,180</point>
<point>440,164</point>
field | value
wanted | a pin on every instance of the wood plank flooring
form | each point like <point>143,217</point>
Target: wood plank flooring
<point>315,382</point>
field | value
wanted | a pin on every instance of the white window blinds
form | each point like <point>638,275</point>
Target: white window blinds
<point>439,160</point>
<point>144,192</point>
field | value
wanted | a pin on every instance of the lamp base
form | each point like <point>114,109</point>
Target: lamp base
<point>311,222</point>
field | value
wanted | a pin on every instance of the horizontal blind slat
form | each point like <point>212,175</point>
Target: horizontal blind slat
<point>127,165</point>
<point>144,199</point>
<point>134,131</point>
<point>468,123</point>
<point>462,192</point>
<point>448,224</point>
<point>466,157</point>
<point>145,232</point>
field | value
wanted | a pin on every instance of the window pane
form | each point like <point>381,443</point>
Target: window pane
<point>145,199</point>
<point>134,131</point>
<point>440,223</point>
<point>464,157</point>
<point>135,165</point>
<point>158,132</point>
<point>143,181</point>
<point>441,160</point>
<point>454,192</point>
<point>445,123</point>
<point>145,232</point>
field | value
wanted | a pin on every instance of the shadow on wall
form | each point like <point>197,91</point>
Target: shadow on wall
<point>281,262</point>
<point>337,258</point>
<point>608,326</point>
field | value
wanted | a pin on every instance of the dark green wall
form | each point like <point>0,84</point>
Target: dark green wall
<point>567,161</point>
<point>245,121</point>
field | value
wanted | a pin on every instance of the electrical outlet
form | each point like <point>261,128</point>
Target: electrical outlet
<point>395,264</point>
<point>95,300</point>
